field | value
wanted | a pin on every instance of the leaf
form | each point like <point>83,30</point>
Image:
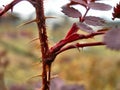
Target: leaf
<point>116,13</point>
<point>82,2</point>
<point>112,38</point>
<point>99,6</point>
<point>72,30</point>
<point>73,37</point>
<point>71,12</point>
<point>85,27</point>
<point>72,3</point>
<point>95,21</point>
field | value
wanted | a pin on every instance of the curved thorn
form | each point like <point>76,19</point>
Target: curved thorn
<point>27,23</point>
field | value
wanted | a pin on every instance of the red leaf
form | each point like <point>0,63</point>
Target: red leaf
<point>116,13</point>
<point>81,2</point>
<point>73,37</point>
<point>71,12</point>
<point>95,21</point>
<point>85,27</point>
<point>73,30</point>
<point>112,38</point>
<point>99,6</point>
<point>72,3</point>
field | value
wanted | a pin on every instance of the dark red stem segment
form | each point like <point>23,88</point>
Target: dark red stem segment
<point>9,6</point>
<point>43,42</point>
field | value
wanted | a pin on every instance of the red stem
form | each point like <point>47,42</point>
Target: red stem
<point>82,18</point>
<point>77,45</point>
<point>62,43</point>
<point>9,6</point>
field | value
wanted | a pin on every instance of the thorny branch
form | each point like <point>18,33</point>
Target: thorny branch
<point>78,45</point>
<point>65,41</point>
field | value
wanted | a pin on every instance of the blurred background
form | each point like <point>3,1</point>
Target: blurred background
<point>93,68</point>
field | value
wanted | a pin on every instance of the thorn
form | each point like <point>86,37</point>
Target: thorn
<point>49,17</point>
<point>35,20</point>
<point>37,63</point>
<point>54,76</point>
<point>33,40</point>
<point>77,47</point>
<point>34,77</point>
<point>12,10</point>
<point>103,30</point>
